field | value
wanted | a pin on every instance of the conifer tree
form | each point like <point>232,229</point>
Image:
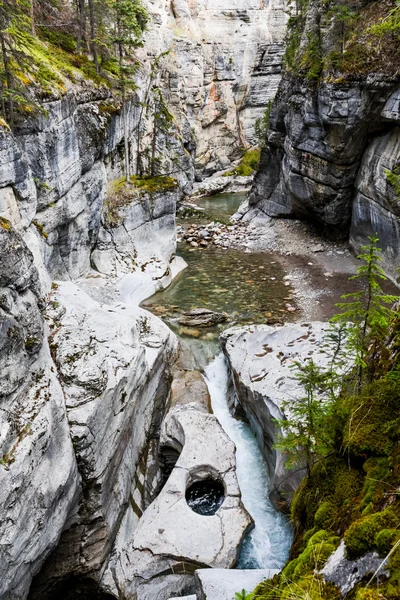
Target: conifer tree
<point>305,437</point>
<point>367,311</point>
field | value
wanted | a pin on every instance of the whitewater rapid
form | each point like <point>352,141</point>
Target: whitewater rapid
<point>268,544</point>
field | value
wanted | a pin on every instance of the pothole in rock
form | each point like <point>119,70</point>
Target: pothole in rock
<point>206,496</point>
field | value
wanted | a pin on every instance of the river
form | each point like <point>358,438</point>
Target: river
<point>248,288</point>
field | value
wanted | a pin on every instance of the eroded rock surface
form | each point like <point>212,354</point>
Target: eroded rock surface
<point>171,540</point>
<point>111,364</point>
<point>261,360</point>
<point>202,317</point>
<point>331,144</point>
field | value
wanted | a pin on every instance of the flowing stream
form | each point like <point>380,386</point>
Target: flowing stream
<point>267,546</point>
<point>249,288</point>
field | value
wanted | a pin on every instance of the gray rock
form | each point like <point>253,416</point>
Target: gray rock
<point>347,573</point>
<point>325,156</point>
<point>171,540</point>
<point>202,317</point>
<point>261,359</point>
<point>219,584</point>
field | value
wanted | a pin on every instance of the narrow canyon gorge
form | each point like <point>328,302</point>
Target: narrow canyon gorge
<point>185,186</point>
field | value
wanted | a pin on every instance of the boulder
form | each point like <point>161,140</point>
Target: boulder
<point>202,317</point>
<point>172,540</point>
<point>220,584</point>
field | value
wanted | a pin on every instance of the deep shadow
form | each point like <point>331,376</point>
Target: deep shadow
<point>77,588</point>
<point>168,457</point>
<point>205,497</point>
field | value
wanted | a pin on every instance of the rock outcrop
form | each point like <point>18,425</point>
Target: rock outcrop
<point>39,479</point>
<point>224,66</point>
<point>171,540</point>
<point>333,136</point>
<point>74,433</point>
<point>261,358</point>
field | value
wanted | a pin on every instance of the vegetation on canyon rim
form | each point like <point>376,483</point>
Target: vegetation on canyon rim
<point>44,43</point>
<point>346,430</point>
<point>347,39</point>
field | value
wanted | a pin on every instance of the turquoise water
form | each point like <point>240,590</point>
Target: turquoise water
<point>268,544</point>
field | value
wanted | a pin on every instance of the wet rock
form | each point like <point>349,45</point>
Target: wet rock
<point>202,317</point>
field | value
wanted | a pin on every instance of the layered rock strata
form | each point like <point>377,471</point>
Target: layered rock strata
<point>333,136</point>
<point>224,66</point>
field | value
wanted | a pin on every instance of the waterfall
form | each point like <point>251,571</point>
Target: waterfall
<point>268,544</point>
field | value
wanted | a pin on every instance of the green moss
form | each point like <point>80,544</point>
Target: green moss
<point>160,183</point>
<point>248,165</point>
<point>40,228</point>
<point>386,539</point>
<point>309,587</point>
<point>373,422</point>
<point>326,515</point>
<point>361,535</point>
<point>368,594</point>
<point>5,224</point>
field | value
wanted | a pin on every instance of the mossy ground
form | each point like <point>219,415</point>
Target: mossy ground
<point>248,165</point>
<point>353,494</point>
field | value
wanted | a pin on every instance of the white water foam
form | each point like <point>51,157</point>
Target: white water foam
<point>267,546</point>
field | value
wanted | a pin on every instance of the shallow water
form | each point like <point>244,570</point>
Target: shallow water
<point>268,544</point>
<point>218,208</point>
<point>248,287</point>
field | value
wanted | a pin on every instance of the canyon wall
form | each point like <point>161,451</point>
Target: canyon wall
<point>224,65</point>
<point>84,373</point>
<point>333,134</point>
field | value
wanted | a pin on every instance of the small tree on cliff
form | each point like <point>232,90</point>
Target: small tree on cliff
<point>368,311</point>
<point>305,438</point>
<point>131,19</point>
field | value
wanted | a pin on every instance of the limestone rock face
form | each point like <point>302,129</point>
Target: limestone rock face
<point>376,206</point>
<point>39,478</point>
<point>315,145</point>
<point>330,146</point>
<point>171,540</point>
<point>260,358</point>
<point>224,67</point>
<point>139,237</point>
<point>111,363</point>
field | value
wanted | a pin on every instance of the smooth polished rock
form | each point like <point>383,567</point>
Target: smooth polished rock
<point>222,584</point>
<point>171,540</point>
<point>261,359</point>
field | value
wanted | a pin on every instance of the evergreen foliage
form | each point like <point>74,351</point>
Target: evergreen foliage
<point>262,124</point>
<point>351,490</point>
<point>44,42</point>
